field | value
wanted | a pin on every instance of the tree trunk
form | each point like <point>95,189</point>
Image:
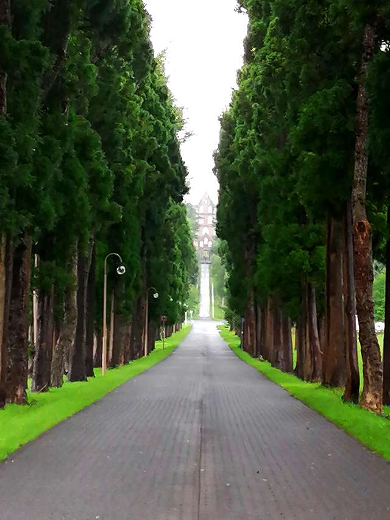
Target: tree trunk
<point>152,336</point>
<point>17,362</point>
<point>137,328</point>
<point>277,337</point>
<point>129,342</point>
<point>314,338</point>
<point>386,343</point>
<point>334,358</point>
<point>111,330</point>
<point>269,332</point>
<point>352,388</point>
<point>68,330</point>
<point>90,317</point>
<point>250,326</point>
<point>6,260</point>
<point>364,272</point>
<point>286,354</point>
<point>77,364</point>
<point>44,347</point>
<point>304,368</point>
<point>119,339</point>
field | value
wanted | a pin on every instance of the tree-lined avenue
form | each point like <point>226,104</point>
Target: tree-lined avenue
<point>200,436</point>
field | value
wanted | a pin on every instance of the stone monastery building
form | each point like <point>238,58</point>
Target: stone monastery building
<point>205,216</point>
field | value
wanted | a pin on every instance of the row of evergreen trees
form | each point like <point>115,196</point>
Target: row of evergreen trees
<point>90,164</point>
<point>303,159</point>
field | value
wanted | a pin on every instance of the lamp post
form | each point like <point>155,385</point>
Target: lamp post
<point>155,296</point>
<point>120,270</point>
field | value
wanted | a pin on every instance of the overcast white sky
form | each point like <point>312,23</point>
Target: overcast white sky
<point>204,44</point>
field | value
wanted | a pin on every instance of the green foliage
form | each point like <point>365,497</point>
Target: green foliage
<point>380,296</point>
<point>90,151</point>
<point>286,153</point>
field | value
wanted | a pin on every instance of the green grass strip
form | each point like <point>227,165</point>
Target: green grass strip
<point>371,430</point>
<point>21,424</point>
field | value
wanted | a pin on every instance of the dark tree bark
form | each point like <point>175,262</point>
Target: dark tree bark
<point>138,327</point>
<point>263,332</point>
<point>17,358</point>
<point>304,369</point>
<point>314,337</point>
<point>6,264</point>
<point>259,321</point>
<point>372,397</point>
<point>44,348</point>
<point>77,364</point>
<point>119,339</point>
<point>67,335</point>
<point>90,316</point>
<point>334,358</point>
<point>250,326</point>
<point>129,356</point>
<point>152,335</point>
<point>352,388</point>
<point>268,332</point>
<point>386,343</point>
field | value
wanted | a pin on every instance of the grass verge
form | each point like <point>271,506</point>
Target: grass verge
<point>371,430</point>
<point>21,424</point>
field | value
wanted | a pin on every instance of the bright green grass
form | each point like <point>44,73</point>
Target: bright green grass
<point>371,430</point>
<point>22,424</point>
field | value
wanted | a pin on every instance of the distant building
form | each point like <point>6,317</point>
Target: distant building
<point>205,217</point>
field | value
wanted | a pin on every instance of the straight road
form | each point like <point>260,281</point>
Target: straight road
<point>202,436</point>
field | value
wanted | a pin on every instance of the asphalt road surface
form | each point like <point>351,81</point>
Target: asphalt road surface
<point>200,436</point>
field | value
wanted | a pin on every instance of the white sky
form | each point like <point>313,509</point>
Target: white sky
<point>204,44</point>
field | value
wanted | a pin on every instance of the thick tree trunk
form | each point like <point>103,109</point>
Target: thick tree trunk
<point>90,317</point>
<point>129,356</point>
<point>304,352</point>
<point>68,330</point>
<point>250,326</point>
<point>111,330</point>
<point>259,322</point>
<point>3,350</point>
<point>314,337</point>
<point>119,325</point>
<point>6,264</point>
<point>152,335</point>
<point>304,368</point>
<point>352,387</point>
<point>3,300</point>
<point>277,337</point>
<point>77,365</point>
<point>268,332</point>
<point>386,343</point>
<point>137,328</point>
<point>17,362</point>
<point>334,358</point>
<point>364,272</point>
<point>263,332</point>
<point>44,348</point>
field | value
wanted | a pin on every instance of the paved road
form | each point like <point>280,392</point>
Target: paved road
<point>202,436</point>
